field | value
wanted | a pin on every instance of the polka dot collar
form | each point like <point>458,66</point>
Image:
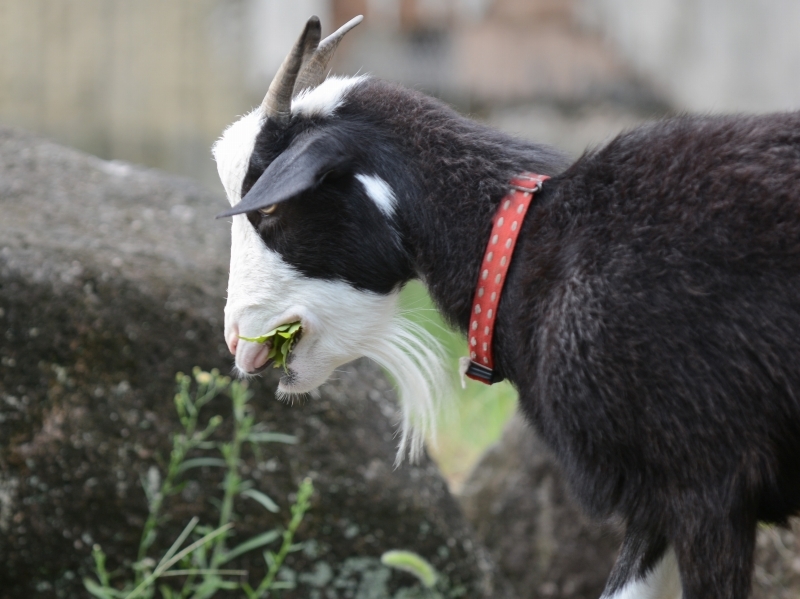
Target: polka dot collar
<point>505,230</point>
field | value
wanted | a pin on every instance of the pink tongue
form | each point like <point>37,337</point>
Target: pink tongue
<point>251,356</point>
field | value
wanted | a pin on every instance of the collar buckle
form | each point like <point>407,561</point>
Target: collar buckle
<point>482,374</point>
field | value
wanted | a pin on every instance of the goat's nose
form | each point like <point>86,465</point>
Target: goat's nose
<point>232,339</point>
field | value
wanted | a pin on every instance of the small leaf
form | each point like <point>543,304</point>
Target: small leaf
<point>251,594</point>
<point>254,543</point>
<point>187,530</point>
<point>178,488</point>
<point>283,584</point>
<point>150,538</point>
<point>261,339</point>
<point>98,591</point>
<point>199,462</point>
<point>262,499</point>
<point>166,592</point>
<point>272,438</point>
<point>284,352</point>
<point>410,562</point>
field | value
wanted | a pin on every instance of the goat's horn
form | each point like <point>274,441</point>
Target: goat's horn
<point>277,104</point>
<point>314,69</point>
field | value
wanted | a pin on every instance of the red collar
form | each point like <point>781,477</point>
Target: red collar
<point>505,230</point>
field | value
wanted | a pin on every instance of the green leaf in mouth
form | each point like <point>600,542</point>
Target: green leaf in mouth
<point>282,340</point>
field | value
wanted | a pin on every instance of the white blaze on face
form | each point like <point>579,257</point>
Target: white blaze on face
<point>233,150</point>
<point>379,192</point>
<point>339,322</point>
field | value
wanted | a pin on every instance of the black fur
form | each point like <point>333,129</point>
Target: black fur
<point>641,552</point>
<point>330,229</point>
<point>650,319</point>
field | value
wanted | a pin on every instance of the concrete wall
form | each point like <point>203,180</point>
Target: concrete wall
<point>709,55</point>
<point>156,81</point>
<point>149,81</point>
<point>481,53</point>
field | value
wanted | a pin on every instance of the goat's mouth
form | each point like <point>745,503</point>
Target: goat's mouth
<point>279,349</point>
<point>262,368</point>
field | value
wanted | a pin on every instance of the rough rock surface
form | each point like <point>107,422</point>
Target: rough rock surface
<point>112,280</point>
<point>522,512</point>
<point>777,570</point>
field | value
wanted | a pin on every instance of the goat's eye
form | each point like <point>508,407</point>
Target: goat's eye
<point>268,210</point>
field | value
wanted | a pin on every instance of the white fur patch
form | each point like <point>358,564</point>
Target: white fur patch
<point>324,99</point>
<point>233,150</point>
<point>379,192</point>
<point>662,582</point>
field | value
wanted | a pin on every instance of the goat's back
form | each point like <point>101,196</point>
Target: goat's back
<point>716,187</point>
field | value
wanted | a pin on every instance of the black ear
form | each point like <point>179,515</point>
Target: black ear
<point>300,168</point>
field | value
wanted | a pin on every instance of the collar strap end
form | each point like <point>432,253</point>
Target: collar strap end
<point>480,373</point>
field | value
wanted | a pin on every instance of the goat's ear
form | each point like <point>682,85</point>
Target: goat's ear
<point>300,168</point>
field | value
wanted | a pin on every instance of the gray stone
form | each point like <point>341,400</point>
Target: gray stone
<point>112,279</point>
<point>521,510</point>
<point>777,570</point>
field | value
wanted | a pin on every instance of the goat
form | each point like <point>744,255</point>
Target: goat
<point>650,319</point>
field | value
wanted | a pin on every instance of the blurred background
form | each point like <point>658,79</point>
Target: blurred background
<point>155,82</point>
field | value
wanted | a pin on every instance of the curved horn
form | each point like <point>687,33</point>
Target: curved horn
<point>277,104</point>
<point>315,68</point>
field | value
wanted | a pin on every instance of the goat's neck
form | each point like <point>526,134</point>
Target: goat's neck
<point>463,176</point>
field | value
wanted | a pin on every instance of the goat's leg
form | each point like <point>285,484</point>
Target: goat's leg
<point>645,569</point>
<point>715,557</point>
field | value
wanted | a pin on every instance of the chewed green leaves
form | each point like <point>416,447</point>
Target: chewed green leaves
<point>282,339</point>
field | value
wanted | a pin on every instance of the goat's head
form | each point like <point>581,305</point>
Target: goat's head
<point>314,238</point>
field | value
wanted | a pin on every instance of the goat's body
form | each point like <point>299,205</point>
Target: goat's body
<point>659,347</point>
<point>651,323</point>
<point>662,281</point>
<point>650,318</point>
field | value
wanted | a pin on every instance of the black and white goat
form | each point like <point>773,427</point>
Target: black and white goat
<point>650,320</point>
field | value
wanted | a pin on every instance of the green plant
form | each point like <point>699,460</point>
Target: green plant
<point>435,586</point>
<point>201,564</point>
